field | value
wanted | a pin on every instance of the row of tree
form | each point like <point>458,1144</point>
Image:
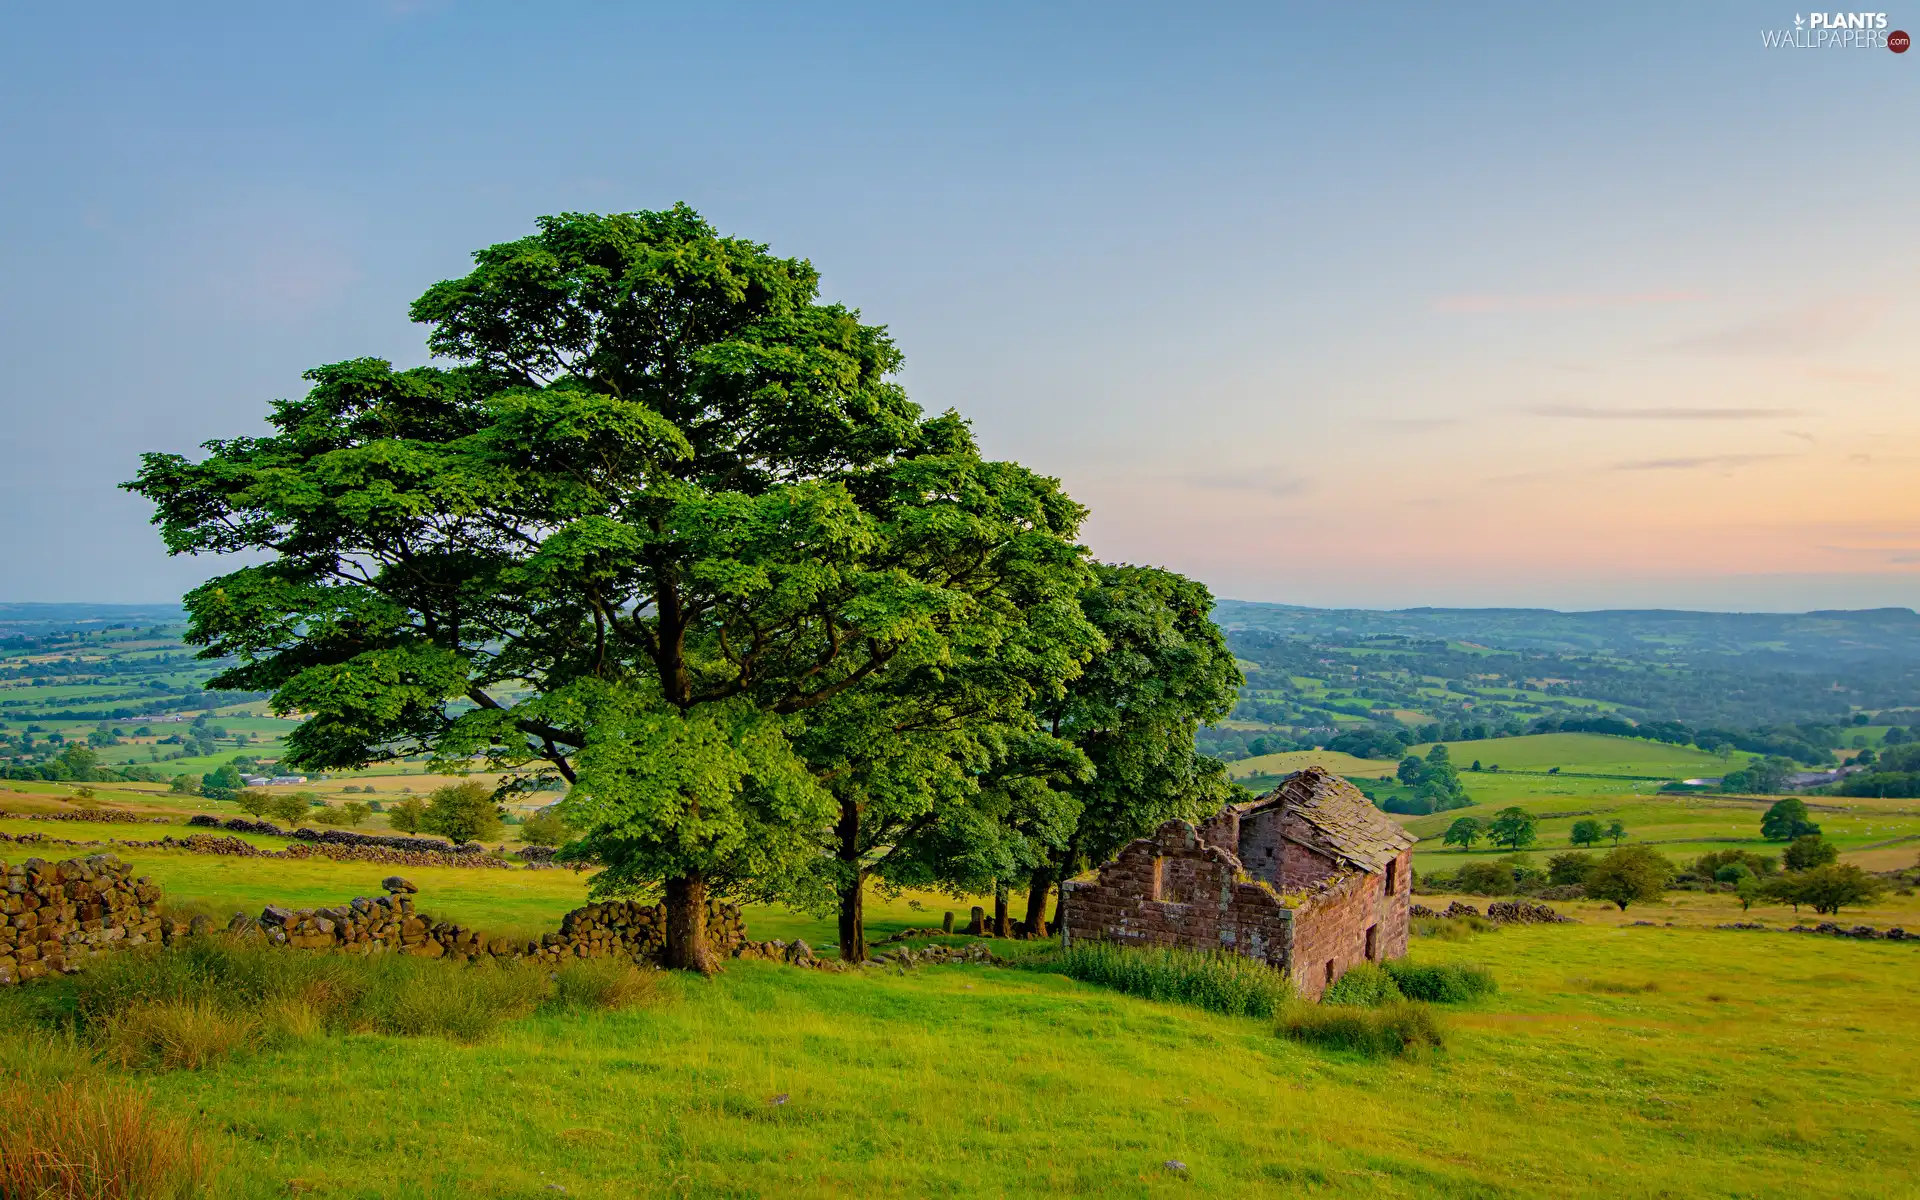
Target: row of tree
<point>668,529</point>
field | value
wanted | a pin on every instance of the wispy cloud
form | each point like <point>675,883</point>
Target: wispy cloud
<point>1696,462</point>
<point>1803,331</point>
<point>1486,302</point>
<point>1801,434</point>
<point>1588,412</point>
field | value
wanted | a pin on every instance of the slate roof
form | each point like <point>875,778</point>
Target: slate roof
<point>1338,819</point>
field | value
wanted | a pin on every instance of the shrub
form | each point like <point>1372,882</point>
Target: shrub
<point>464,812</point>
<point>1224,983</point>
<point>1710,864</point>
<point>1628,874</point>
<point>1809,850</point>
<point>1569,868</point>
<point>1441,983</point>
<point>86,1141</point>
<point>543,828</point>
<point>1365,985</point>
<point>1485,879</point>
<point>289,808</point>
<point>1402,1027</point>
<point>406,815</point>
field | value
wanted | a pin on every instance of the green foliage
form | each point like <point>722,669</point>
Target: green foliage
<point>462,812</point>
<point>1405,1028</point>
<point>254,803</point>
<point>1828,888</point>
<point>407,815</point>
<point>544,828</point>
<point>187,784</point>
<point>1485,878</point>
<point>1809,850</point>
<point>1569,868</point>
<point>1786,820</point>
<point>1441,983</point>
<point>1512,826</point>
<point>1628,875</point>
<point>1224,983</point>
<point>1365,984</point>
<point>1587,832</point>
<point>1463,833</point>
<point>1710,864</point>
<point>289,809</point>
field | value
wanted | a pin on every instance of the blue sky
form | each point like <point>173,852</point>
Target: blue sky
<point>1329,305</point>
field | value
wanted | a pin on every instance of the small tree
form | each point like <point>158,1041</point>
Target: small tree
<point>187,784</point>
<point>464,812</point>
<point>406,815</point>
<point>255,804</point>
<point>1617,832</point>
<point>1586,833</point>
<point>1464,833</point>
<point>543,828</point>
<point>1626,875</point>
<point>1786,820</point>
<point>1512,827</point>
<point>1748,890</point>
<point>1808,851</point>
<point>326,814</point>
<point>1830,887</point>
<point>355,812</point>
<point>291,810</point>
<point>1569,868</point>
<point>1483,878</point>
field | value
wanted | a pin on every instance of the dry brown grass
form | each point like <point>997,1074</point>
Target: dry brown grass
<point>175,1034</point>
<point>88,1141</point>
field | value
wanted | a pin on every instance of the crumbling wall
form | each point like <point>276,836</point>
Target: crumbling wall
<point>1175,889</point>
<point>58,915</point>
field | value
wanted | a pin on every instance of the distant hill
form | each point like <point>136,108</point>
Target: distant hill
<point>38,620</point>
<point>1815,637</point>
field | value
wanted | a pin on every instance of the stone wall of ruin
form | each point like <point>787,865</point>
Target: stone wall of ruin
<point>1174,889</point>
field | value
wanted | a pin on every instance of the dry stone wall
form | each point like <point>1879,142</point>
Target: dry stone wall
<point>58,915</point>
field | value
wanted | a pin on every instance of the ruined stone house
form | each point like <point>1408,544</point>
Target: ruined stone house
<point>1310,878</point>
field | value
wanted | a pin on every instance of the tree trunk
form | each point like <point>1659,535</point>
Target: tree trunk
<point>853,934</point>
<point>1037,902</point>
<point>853,931</point>
<point>1000,928</point>
<point>687,947</point>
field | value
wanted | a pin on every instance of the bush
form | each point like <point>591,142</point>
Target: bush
<point>1451,929</point>
<point>1224,983</point>
<point>464,812</point>
<point>543,828</point>
<point>1441,983</point>
<point>406,815</point>
<point>1485,879</point>
<point>1809,850</point>
<point>1629,874</point>
<point>1399,1028</point>
<point>1365,985</point>
<point>86,1141</point>
<point>1569,868</point>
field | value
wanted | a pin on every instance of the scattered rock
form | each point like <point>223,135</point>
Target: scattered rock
<point>395,885</point>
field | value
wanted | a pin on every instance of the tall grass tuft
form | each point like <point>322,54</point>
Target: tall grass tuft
<point>1441,983</point>
<point>1224,983</point>
<point>203,1000</point>
<point>1398,1028</point>
<point>1364,985</point>
<point>87,1141</point>
<point>605,983</point>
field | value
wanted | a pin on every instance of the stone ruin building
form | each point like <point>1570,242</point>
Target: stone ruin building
<point>1310,878</point>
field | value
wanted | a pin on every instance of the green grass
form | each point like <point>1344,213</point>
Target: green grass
<point>1760,1066</point>
<point>1586,753</point>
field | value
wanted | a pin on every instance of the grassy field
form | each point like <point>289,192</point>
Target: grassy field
<point>1586,753</point>
<point>1615,1061</point>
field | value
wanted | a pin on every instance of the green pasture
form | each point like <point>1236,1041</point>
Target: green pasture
<point>1587,753</point>
<point>1614,1061</point>
<point>1680,825</point>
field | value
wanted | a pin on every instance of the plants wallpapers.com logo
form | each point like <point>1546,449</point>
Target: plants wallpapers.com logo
<point>1837,31</point>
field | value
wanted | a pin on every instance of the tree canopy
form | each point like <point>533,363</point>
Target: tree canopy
<point>664,521</point>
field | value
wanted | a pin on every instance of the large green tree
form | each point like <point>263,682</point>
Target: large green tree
<point>1165,670</point>
<point>660,514</point>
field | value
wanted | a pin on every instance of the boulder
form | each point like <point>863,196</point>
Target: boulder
<point>395,885</point>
